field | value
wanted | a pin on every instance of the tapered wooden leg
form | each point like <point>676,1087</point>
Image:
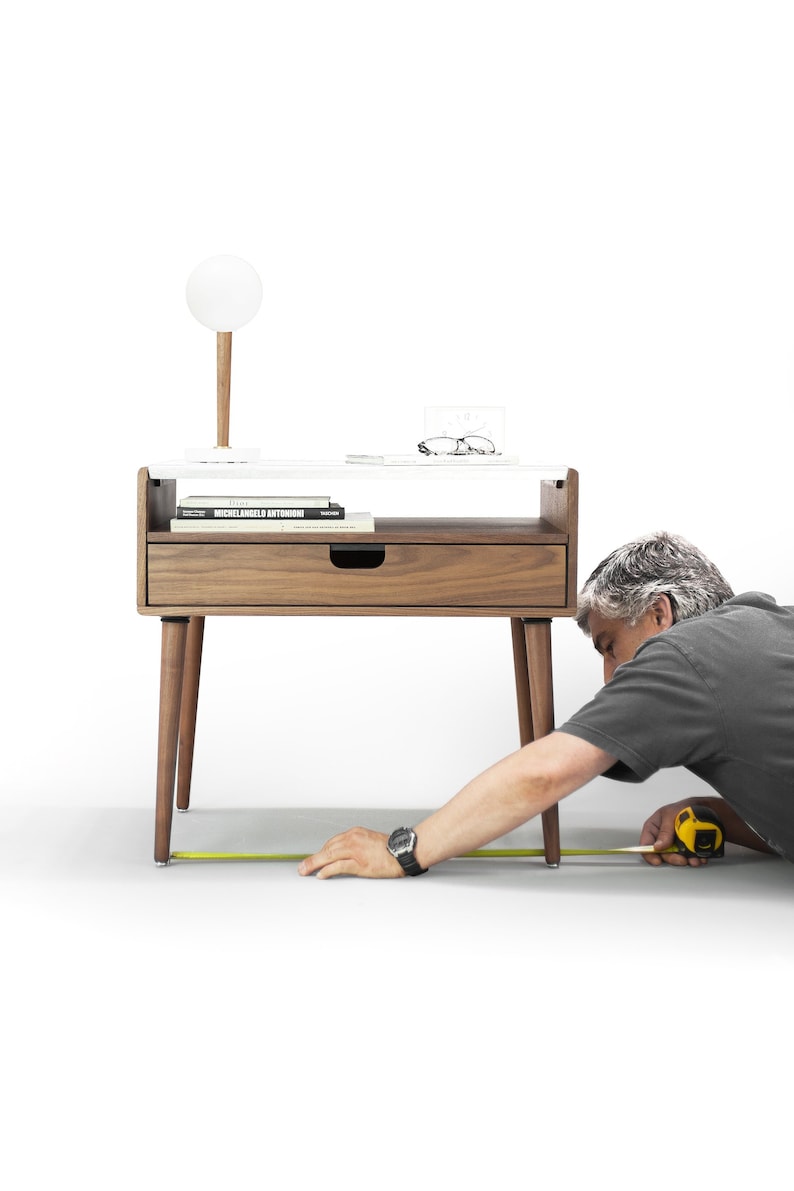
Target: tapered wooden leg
<point>525,732</point>
<point>172,665</point>
<point>187,715</point>
<point>535,696</point>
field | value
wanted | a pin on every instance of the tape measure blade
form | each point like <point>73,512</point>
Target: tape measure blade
<point>482,852</point>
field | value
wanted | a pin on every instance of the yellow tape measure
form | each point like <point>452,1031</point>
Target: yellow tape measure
<point>698,830</point>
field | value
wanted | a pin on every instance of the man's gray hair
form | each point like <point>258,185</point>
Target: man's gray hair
<point>629,581</point>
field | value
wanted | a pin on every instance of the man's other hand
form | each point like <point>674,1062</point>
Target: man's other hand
<point>659,830</point>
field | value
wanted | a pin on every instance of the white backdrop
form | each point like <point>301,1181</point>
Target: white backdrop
<point>582,212</point>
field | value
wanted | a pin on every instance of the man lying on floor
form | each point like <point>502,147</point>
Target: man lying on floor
<point>694,676</point>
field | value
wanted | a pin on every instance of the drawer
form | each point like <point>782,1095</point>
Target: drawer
<point>468,575</point>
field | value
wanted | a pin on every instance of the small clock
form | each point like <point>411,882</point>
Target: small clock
<point>456,421</point>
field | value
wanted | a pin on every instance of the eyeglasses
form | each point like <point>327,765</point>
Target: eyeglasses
<point>471,444</point>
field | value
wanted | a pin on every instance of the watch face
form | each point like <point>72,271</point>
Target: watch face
<point>402,840</point>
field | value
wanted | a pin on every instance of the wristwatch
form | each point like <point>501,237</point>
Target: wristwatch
<point>401,845</point>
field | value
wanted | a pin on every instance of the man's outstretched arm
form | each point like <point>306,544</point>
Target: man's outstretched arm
<point>522,785</point>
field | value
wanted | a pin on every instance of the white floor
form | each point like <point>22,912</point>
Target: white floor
<point>222,1023</point>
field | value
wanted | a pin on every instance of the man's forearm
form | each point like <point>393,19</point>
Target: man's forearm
<point>508,794</point>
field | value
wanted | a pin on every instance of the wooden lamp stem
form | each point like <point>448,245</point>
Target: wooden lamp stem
<point>224,385</point>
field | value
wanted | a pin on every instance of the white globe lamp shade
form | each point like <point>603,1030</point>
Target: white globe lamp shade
<point>224,293</point>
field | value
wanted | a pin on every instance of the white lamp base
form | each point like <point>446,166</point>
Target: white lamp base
<point>222,454</point>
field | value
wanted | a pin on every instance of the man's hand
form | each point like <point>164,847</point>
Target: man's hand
<point>358,852</point>
<point>659,830</point>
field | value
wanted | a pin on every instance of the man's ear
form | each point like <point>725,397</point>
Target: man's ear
<point>662,611</point>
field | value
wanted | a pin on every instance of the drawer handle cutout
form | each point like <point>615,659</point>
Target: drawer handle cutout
<point>359,558</point>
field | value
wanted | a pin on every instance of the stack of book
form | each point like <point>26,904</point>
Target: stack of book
<point>267,514</point>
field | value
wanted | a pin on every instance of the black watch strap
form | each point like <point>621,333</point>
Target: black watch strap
<point>412,867</point>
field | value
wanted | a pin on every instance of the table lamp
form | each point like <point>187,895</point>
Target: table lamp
<point>223,293</point>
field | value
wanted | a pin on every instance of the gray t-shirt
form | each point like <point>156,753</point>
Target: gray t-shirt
<point>714,694</point>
